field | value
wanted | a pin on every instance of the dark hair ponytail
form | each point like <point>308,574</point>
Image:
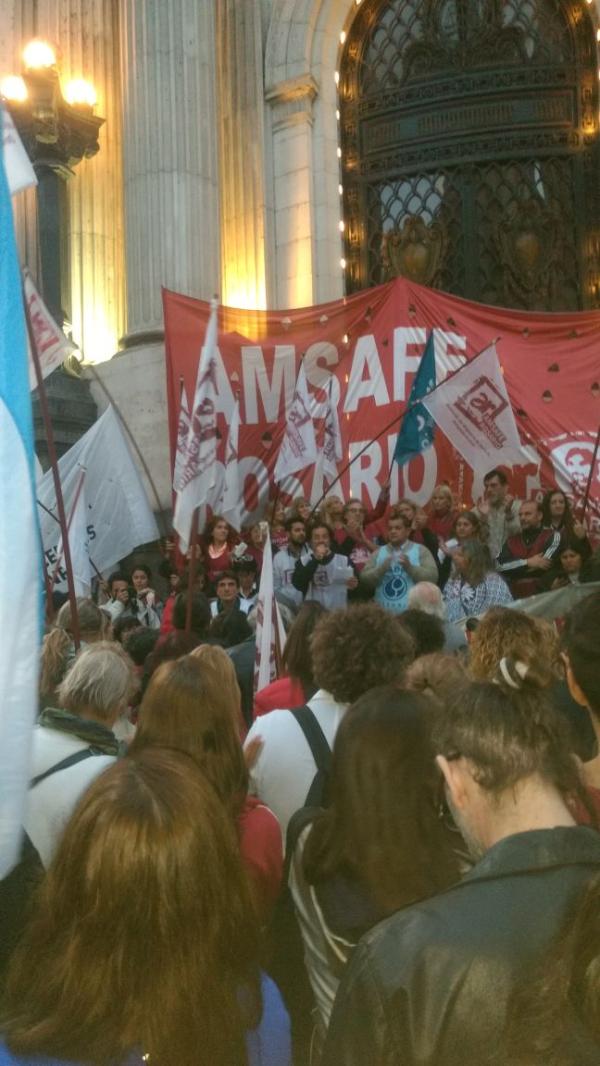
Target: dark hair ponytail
<point>509,730</point>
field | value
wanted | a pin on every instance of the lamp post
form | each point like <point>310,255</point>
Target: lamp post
<point>58,129</point>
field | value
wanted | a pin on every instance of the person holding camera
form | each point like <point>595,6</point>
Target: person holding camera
<point>144,604</point>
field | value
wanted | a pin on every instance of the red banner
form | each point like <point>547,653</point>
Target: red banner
<point>371,345</point>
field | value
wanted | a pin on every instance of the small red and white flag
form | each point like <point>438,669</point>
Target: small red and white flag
<point>198,473</point>
<point>183,428</point>
<point>473,409</point>
<point>332,440</point>
<point>270,632</point>
<point>229,504</point>
<point>51,344</point>
<point>299,446</point>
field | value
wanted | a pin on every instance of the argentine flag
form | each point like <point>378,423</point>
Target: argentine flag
<point>20,572</point>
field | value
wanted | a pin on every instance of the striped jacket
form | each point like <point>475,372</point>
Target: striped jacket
<point>512,560</point>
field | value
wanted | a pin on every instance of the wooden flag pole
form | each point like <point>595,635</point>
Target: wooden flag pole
<point>60,503</point>
<point>192,573</point>
<point>69,521</point>
<point>53,516</point>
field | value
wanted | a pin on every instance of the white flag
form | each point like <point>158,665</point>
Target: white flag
<point>198,475</point>
<point>332,441</point>
<point>473,409</point>
<point>229,504</point>
<point>299,447</point>
<point>19,171</point>
<point>51,344</point>
<point>269,625</point>
<point>183,428</point>
<point>78,543</point>
<point>118,516</point>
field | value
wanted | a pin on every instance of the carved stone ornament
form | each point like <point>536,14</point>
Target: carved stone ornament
<point>527,239</point>
<point>416,251</point>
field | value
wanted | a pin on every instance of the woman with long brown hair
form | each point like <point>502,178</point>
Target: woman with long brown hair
<point>192,705</point>
<point>476,586</point>
<point>218,540</point>
<point>143,945</point>
<point>380,845</point>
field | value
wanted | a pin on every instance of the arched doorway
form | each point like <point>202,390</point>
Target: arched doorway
<point>470,149</point>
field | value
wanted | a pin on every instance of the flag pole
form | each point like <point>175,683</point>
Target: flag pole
<point>60,503</point>
<point>191,574</point>
<point>134,444</point>
<point>588,488</point>
<point>69,521</point>
<point>408,407</point>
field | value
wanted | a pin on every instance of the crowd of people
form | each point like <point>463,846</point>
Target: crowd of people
<point>388,856</point>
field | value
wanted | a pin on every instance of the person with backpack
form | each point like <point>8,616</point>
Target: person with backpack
<point>74,741</point>
<point>380,845</point>
<point>352,651</point>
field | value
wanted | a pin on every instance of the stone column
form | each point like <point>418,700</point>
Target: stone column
<point>292,118</point>
<point>168,62</point>
<point>241,152</point>
<point>87,36</point>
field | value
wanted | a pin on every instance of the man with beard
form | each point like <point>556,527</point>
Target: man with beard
<point>498,509</point>
<point>284,562</point>
<point>326,575</point>
<point>432,984</point>
<point>528,559</point>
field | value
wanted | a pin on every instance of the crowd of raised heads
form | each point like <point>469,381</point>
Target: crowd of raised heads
<point>389,854</point>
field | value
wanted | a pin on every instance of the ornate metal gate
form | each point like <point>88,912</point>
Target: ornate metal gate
<point>470,149</point>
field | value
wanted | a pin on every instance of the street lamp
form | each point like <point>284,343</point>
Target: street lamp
<point>58,130</point>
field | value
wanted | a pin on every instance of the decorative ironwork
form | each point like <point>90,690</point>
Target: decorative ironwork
<point>470,149</point>
<point>415,251</point>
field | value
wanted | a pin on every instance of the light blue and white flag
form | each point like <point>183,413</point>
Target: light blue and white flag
<point>20,562</point>
<point>417,426</point>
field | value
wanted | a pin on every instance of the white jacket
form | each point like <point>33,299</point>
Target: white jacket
<point>52,802</point>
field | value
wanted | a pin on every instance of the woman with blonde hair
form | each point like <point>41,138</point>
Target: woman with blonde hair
<point>75,740</point>
<point>505,633</point>
<point>192,705</point>
<point>58,647</point>
<point>143,945</point>
<point>442,513</point>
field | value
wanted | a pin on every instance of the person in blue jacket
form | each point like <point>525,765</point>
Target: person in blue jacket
<point>142,945</point>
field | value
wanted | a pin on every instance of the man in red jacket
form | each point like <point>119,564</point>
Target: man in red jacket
<point>527,558</point>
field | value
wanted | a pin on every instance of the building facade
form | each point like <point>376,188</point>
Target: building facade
<point>283,152</point>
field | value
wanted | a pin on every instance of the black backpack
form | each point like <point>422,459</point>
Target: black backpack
<point>285,951</point>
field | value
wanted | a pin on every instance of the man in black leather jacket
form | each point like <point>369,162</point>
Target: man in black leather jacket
<point>430,985</point>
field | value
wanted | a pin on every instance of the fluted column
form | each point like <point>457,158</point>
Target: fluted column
<point>241,152</point>
<point>87,35</point>
<point>168,63</point>
<point>291,104</point>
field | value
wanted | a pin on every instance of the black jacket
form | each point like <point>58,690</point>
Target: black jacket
<point>429,986</point>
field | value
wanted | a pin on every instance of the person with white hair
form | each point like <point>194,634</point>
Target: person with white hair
<point>74,742</point>
<point>427,597</point>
